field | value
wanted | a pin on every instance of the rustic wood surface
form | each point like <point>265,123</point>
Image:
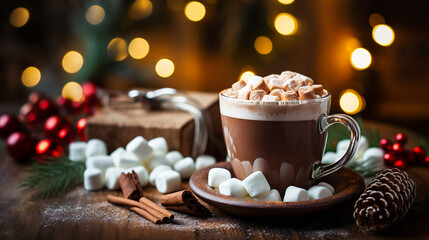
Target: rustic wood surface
<point>79,214</point>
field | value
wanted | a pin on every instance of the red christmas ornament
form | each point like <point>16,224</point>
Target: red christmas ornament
<point>8,125</point>
<point>53,125</point>
<point>389,159</point>
<point>420,153</point>
<point>385,145</point>
<point>398,148</point>
<point>30,115</point>
<point>89,90</point>
<point>80,129</point>
<point>400,164</point>
<point>410,157</point>
<point>47,108</point>
<point>426,162</point>
<point>401,138</point>
<point>46,148</point>
<point>19,145</point>
<point>35,98</point>
<point>65,135</point>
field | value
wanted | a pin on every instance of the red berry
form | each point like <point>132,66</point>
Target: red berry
<point>30,114</point>
<point>401,138</point>
<point>420,153</point>
<point>89,90</point>
<point>400,164</point>
<point>34,98</point>
<point>410,157</point>
<point>80,129</point>
<point>8,125</point>
<point>44,147</point>
<point>385,145</point>
<point>389,159</point>
<point>426,161</point>
<point>398,148</point>
<point>53,125</point>
<point>47,108</point>
<point>19,146</point>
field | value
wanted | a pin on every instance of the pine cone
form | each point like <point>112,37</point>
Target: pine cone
<point>385,200</point>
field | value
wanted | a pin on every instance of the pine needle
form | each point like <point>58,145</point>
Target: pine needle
<point>53,177</point>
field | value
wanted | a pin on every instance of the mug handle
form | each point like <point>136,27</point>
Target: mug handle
<point>325,121</point>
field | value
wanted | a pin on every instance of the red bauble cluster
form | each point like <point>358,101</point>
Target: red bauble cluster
<point>42,118</point>
<point>395,153</point>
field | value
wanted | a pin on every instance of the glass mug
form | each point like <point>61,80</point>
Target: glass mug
<point>283,139</point>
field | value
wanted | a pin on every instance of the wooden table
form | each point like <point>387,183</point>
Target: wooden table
<point>86,215</point>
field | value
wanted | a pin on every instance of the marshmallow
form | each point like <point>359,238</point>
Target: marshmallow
<point>95,147</point>
<point>319,192</point>
<point>328,186</point>
<point>125,160</point>
<point>244,89</point>
<point>99,162</point>
<point>218,176</point>
<point>275,84</point>
<point>306,92</point>
<point>256,183</point>
<point>204,161</point>
<point>173,157</point>
<point>285,75</point>
<point>139,147</point>
<point>186,167</point>
<point>244,95</point>
<point>159,144</point>
<point>230,93</point>
<point>330,157</point>
<point>141,173</point>
<point>168,181</point>
<point>271,76</point>
<point>295,194</point>
<point>270,98</point>
<point>117,152</point>
<point>77,151</point>
<point>238,85</point>
<point>257,95</point>
<point>318,89</point>
<point>292,84</point>
<point>272,195</point>
<point>253,80</point>
<point>112,177</point>
<point>261,85</point>
<point>157,159</point>
<point>93,179</point>
<point>277,92</point>
<point>289,96</point>
<point>233,187</point>
<point>159,169</point>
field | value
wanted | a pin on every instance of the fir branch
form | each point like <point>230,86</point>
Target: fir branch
<point>53,177</point>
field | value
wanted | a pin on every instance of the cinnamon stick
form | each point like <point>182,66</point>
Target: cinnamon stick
<point>152,214</point>
<point>184,201</point>
<point>146,215</point>
<point>130,185</point>
<point>156,207</point>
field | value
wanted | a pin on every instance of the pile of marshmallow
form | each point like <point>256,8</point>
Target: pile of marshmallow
<point>256,187</point>
<point>366,160</point>
<point>287,86</point>
<point>150,160</point>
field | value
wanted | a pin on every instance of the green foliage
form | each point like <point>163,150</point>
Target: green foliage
<point>53,177</point>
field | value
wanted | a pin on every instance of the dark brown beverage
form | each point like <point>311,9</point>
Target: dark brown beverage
<point>284,151</point>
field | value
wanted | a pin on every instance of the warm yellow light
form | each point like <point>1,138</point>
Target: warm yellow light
<point>31,77</point>
<point>246,75</point>
<point>383,35</point>
<point>351,44</point>
<point>117,49</point>
<point>376,19</point>
<point>195,11</point>
<point>361,58</point>
<point>95,14</point>
<point>351,102</point>
<point>72,62</point>
<point>286,24</point>
<point>138,48</point>
<point>72,91</point>
<point>175,5</point>
<point>164,68</point>
<point>140,9</point>
<point>286,2</point>
<point>263,45</point>
<point>19,17</point>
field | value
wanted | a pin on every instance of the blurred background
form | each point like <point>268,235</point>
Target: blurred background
<point>371,55</point>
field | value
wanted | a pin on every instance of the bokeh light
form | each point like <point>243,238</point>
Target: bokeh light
<point>286,2</point>
<point>351,102</point>
<point>73,91</point>
<point>376,19</point>
<point>285,24</point>
<point>19,17</point>
<point>360,59</point>
<point>95,14</point>
<point>263,45</point>
<point>164,68</point>
<point>383,35</point>
<point>195,11</point>
<point>72,62</point>
<point>138,48</point>
<point>117,49</point>
<point>246,75</point>
<point>31,76</point>
<point>140,9</point>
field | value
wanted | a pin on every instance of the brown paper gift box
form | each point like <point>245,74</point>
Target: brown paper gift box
<point>122,120</point>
